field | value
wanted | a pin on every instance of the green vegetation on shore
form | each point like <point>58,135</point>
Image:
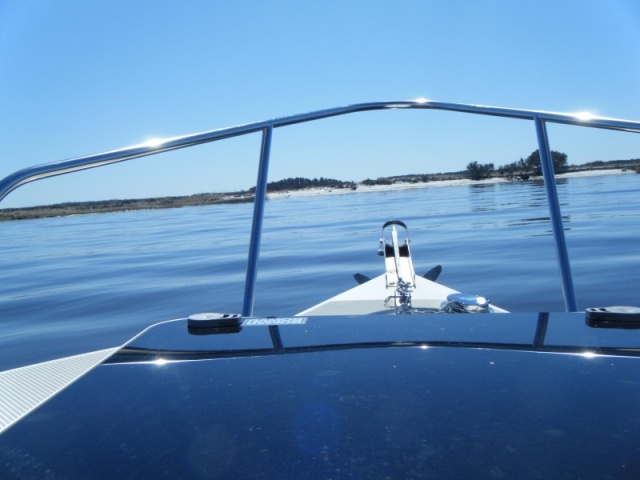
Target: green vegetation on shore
<point>475,171</point>
<point>106,206</point>
<point>300,183</point>
<point>531,167</point>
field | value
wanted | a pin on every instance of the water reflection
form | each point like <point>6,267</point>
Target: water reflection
<point>514,204</point>
<point>482,196</point>
<point>536,221</point>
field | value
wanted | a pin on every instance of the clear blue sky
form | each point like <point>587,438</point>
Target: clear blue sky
<point>81,77</point>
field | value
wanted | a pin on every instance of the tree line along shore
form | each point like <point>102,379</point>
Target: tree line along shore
<point>522,170</point>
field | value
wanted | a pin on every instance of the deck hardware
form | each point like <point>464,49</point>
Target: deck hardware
<point>613,317</point>
<point>465,303</point>
<point>398,266</point>
<point>214,320</point>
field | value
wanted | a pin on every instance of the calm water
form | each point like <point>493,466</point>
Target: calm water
<point>73,284</point>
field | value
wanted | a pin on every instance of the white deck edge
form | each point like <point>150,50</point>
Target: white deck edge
<point>368,298</point>
<point>24,389</point>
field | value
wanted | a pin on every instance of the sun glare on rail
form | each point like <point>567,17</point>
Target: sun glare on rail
<point>584,116</point>
<point>154,142</point>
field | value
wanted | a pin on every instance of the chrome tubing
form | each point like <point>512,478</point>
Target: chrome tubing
<point>39,172</point>
<point>553,203</point>
<point>256,227</point>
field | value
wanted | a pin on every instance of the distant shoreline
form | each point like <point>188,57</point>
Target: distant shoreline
<point>312,192</point>
<point>107,206</point>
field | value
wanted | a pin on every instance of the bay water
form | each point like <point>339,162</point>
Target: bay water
<point>74,284</point>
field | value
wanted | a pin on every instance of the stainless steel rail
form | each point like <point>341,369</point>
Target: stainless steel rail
<point>540,118</point>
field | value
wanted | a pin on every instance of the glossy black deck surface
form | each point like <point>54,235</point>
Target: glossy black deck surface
<point>445,396</point>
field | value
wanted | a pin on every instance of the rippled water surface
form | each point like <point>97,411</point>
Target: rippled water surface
<point>74,284</point>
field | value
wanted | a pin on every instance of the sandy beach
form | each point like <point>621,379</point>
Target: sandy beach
<point>311,192</point>
<point>81,208</point>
